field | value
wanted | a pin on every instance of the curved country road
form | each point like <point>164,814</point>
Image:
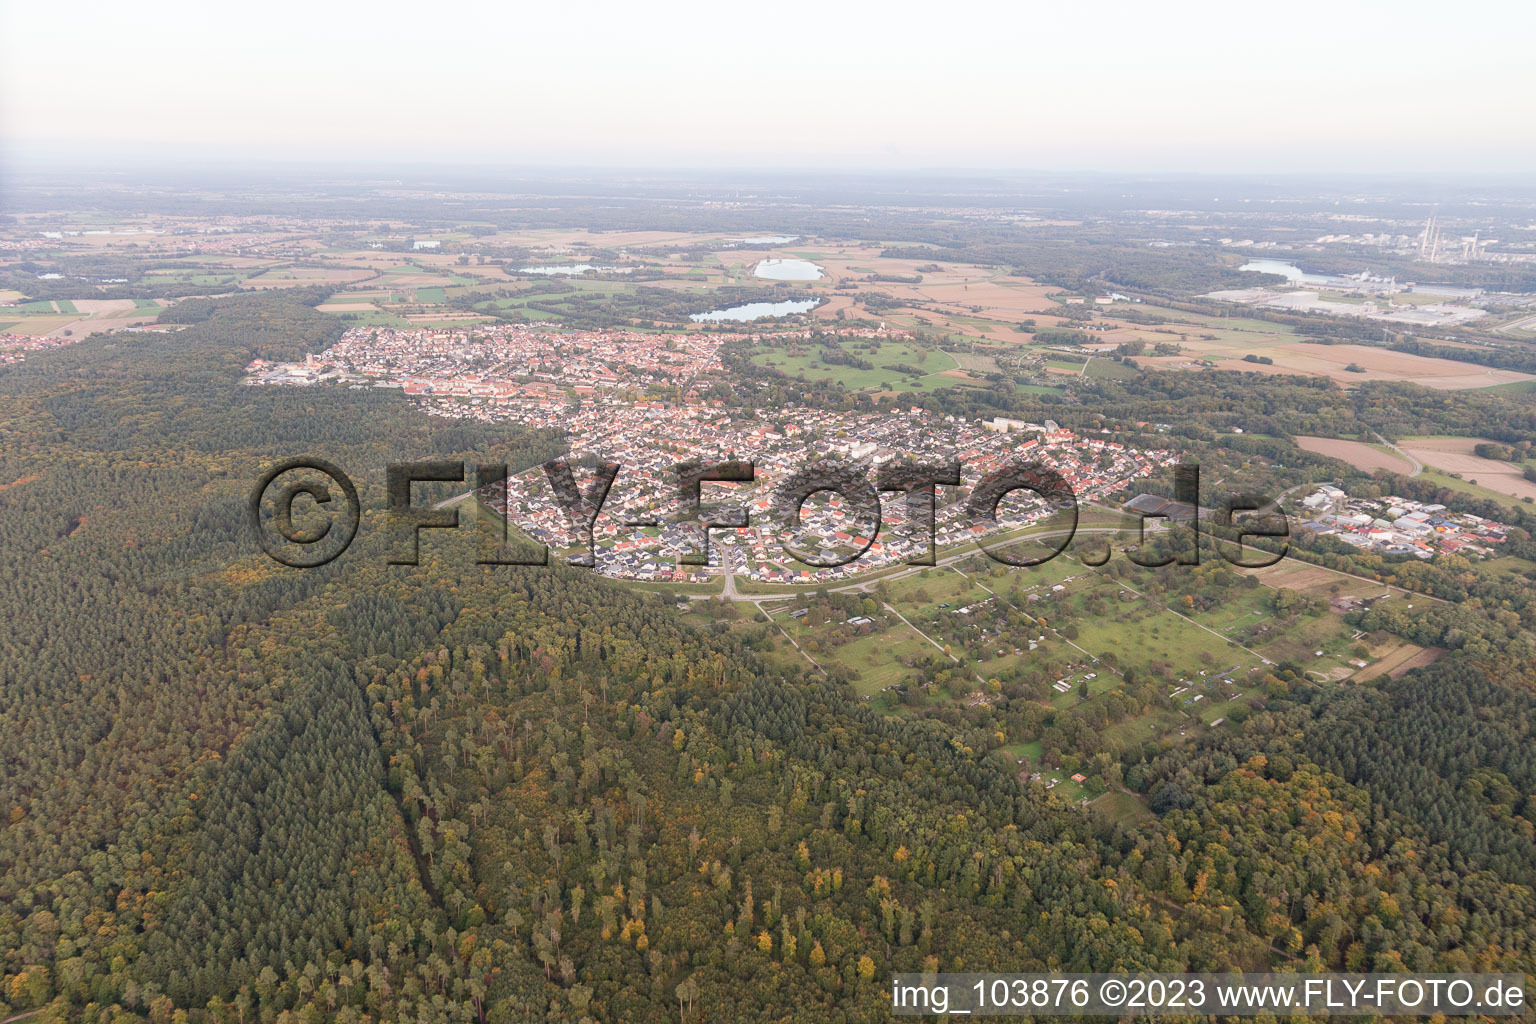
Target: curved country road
<point>1418,467</point>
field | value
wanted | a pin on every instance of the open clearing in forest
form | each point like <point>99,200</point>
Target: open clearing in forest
<point>1399,661</point>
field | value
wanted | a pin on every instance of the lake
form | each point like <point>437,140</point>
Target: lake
<point>768,240</point>
<point>564,269</point>
<point>787,270</point>
<point>1289,271</point>
<point>755,311</point>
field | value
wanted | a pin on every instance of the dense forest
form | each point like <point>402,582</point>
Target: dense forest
<point>238,792</point>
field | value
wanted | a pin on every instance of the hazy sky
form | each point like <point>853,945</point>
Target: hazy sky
<point>1073,84</point>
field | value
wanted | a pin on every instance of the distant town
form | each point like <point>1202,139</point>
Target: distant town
<point>584,381</point>
<point>587,382</point>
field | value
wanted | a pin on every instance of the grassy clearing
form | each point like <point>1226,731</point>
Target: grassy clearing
<point>1122,807</point>
<point>920,597</point>
<point>710,589</point>
<point>1031,752</point>
<point>1065,788</point>
<point>1519,387</point>
<point>806,362</point>
<point>1241,613</point>
<point>1326,633</point>
<point>1110,368</point>
<point>1110,619</point>
<point>1135,731</point>
<point>942,601</point>
<point>1504,563</point>
<point>877,658</point>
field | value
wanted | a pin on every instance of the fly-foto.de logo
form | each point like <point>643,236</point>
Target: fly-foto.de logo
<point>305,511</point>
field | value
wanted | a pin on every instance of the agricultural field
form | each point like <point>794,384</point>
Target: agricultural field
<point>1369,457</point>
<point>1454,455</point>
<point>947,299</point>
<point>1224,341</point>
<point>947,289</point>
<point>1393,657</point>
<point>1316,581</point>
<point>1226,349</point>
<point>1333,361</point>
<point>77,318</point>
<point>366,316</point>
<point>1521,387</point>
<point>177,282</point>
<point>1108,368</point>
<point>297,277</point>
<point>1473,487</point>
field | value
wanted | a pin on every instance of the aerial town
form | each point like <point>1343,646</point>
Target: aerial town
<point>1400,526</point>
<point>665,514</point>
<point>586,382</point>
<point>14,347</point>
<point>639,399</point>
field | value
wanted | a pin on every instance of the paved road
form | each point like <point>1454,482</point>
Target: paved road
<point>1418,467</point>
<point>1527,324</point>
<point>732,593</point>
<point>948,561</point>
<point>1274,506</point>
<point>450,502</point>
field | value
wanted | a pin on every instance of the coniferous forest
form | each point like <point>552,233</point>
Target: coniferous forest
<point>236,792</point>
